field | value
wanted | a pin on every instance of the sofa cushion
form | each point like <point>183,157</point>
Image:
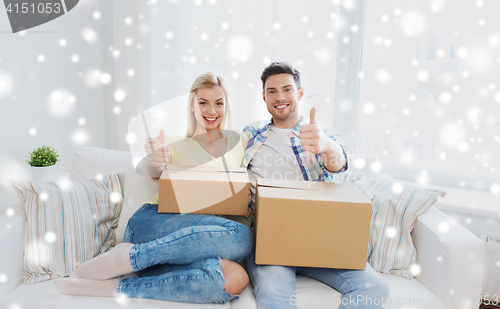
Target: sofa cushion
<point>67,224</point>
<point>396,207</point>
<point>43,295</point>
<point>94,162</point>
<point>312,294</point>
<point>138,190</point>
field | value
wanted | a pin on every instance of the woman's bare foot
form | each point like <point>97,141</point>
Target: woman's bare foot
<point>108,265</point>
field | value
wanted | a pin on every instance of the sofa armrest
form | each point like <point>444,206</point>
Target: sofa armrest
<point>451,259</point>
<point>11,234</point>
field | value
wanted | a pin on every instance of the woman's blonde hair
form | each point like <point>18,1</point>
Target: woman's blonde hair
<point>207,80</point>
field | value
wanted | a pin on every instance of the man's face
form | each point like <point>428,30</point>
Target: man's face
<point>282,97</point>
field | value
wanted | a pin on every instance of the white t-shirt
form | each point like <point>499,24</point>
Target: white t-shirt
<point>275,159</point>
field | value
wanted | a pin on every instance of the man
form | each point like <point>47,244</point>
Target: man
<point>288,148</point>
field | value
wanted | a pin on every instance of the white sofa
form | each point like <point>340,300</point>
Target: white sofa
<point>451,261</point>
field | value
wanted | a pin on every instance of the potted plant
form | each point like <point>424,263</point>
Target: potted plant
<point>42,161</point>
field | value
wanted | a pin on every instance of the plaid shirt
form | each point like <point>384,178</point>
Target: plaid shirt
<point>310,164</point>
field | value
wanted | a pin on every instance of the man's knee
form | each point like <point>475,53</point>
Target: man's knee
<point>235,276</point>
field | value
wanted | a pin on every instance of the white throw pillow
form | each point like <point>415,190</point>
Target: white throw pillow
<point>396,207</point>
<point>139,190</point>
<point>68,223</point>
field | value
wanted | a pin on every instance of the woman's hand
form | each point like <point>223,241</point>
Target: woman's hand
<point>158,153</point>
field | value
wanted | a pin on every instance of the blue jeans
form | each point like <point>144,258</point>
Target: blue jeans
<point>178,256</point>
<point>274,286</point>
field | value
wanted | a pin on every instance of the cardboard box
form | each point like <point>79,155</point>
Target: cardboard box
<point>312,224</point>
<point>204,190</point>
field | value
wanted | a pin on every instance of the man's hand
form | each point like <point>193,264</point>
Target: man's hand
<point>158,152</point>
<point>312,137</point>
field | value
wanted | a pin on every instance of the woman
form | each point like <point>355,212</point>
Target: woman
<point>186,258</point>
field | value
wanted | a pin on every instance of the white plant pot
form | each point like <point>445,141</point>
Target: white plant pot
<point>40,173</point>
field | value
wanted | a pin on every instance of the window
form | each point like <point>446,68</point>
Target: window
<point>429,95</point>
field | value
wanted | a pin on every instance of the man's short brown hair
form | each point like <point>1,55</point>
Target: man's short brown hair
<point>276,68</point>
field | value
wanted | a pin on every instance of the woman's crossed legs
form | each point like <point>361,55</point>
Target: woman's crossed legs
<point>172,252</point>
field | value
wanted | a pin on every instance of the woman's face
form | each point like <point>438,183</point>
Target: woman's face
<point>209,108</point>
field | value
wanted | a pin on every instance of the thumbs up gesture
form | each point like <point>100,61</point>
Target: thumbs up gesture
<point>312,137</point>
<point>158,151</point>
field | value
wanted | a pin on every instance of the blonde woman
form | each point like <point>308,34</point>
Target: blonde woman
<point>185,258</point>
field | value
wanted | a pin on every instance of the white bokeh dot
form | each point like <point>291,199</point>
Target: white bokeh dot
<point>32,131</point>
<point>96,14</point>
<point>80,137</point>
<point>415,270</point>
<point>397,188</point>
<point>62,42</point>
<point>40,58</point>
<point>169,35</point>
<point>6,84</point>
<point>122,300</point>
<point>462,52</point>
<point>114,197</point>
<point>50,237</point>
<point>225,26</point>
<point>444,97</point>
<point>383,76</point>
<point>3,278</point>
<point>130,72</point>
<point>495,189</point>
<point>89,35</point>
<point>10,212</point>
<point>131,138</point>
<point>443,227</point>
<point>105,78</point>
<point>82,121</point>
<point>376,166</point>
<point>117,109</point>
<point>128,21</point>
<point>422,75</point>
<point>369,108</point>
<point>75,58</point>
<point>359,163</point>
<point>44,196</point>
<point>119,95</point>
<point>497,97</point>
<point>390,232</point>
<point>462,146</point>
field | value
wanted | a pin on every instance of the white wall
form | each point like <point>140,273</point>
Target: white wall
<point>25,105</point>
<point>237,40</point>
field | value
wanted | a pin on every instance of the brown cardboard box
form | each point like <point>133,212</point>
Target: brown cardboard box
<point>204,190</point>
<point>313,224</point>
